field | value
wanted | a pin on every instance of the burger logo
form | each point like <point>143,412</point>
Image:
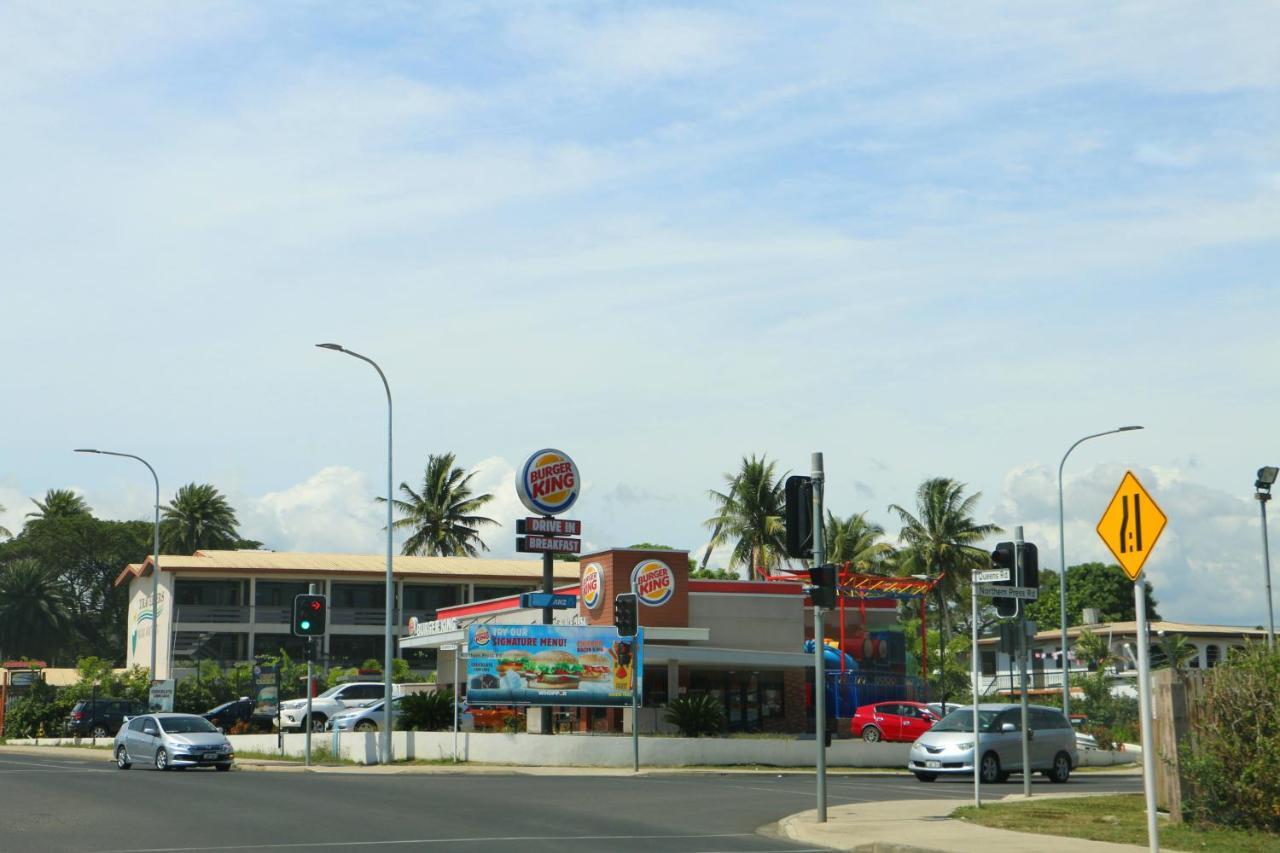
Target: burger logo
<point>480,637</point>
<point>592,585</point>
<point>654,582</point>
<point>548,484</point>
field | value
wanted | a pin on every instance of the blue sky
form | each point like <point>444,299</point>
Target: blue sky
<point>924,240</point>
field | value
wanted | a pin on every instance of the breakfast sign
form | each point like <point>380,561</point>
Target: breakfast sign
<point>551,665</point>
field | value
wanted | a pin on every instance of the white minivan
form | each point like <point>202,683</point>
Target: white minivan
<point>948,748</point>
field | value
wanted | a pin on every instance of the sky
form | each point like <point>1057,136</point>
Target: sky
<point>924,239</point>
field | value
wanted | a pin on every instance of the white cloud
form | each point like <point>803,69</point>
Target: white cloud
<point>333,510</point>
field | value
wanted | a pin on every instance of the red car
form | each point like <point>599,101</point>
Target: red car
<point>901,721</point>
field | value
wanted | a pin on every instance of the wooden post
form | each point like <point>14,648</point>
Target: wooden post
<point>1177,704</point>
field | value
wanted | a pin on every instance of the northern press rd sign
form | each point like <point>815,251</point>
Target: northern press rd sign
<point>548,485</point>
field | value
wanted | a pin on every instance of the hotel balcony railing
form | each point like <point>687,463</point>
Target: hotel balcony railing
<point>212,613</point>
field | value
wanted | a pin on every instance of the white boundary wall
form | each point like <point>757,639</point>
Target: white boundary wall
<point>598,750</point>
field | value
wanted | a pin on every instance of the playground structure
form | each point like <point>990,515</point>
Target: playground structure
<point>866,665</point>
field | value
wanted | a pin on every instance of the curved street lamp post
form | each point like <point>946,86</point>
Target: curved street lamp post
<point>388,712</point>
<point>1062,564</point>
<point>155,566</point>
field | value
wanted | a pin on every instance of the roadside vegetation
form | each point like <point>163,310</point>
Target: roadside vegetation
<point>1120,819</point>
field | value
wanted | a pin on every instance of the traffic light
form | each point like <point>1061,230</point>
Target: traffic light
<point>310,615</point>
<point>1003,557</point>
<point>799,516</point>
<point>822,591</point>
<point>1029,565</point>
<point>624,614</point>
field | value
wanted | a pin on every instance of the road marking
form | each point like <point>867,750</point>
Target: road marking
<point>477,840</point>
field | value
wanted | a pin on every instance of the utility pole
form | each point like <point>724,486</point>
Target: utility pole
<point>1022,664</point>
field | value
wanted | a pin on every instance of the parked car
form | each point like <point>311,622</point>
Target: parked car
<point>892,721</point>
<point>366,719</point>
<point>228,714</point>
<point>948,748</point>
<point>172,740</point>
<point>335,700</point>
<point>101,717</point>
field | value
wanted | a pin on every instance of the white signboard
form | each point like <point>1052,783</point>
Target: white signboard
<point>991,576</point>
<point>161,697</point>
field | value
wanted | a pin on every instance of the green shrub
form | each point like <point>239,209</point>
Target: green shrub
<point>41,713</point>
<point>696,716</point>
<point>426,712</point>
<point>1231,755</point>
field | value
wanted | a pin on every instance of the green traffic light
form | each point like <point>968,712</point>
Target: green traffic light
<point>305,625</point>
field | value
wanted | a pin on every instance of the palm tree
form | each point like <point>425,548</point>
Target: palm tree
<point>1172,650</point>
<point>856,541</point>
<point>35,610</point>
<point>1095,650</point>
<point>942,538</point>
<point>198,517</point>
<point>442,516</point>
<point>4,531</point>
<point>59,503</point>
<point>750,512</point>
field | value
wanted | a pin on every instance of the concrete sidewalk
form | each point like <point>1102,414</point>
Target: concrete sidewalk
<point>923,826</point>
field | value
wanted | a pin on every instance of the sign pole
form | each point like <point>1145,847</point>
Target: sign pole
<point>635,709</point>
<point>819,668</point>
<point>1144,703</point>
<point>311,590</point>
<point>1022,664</point>
<point>977,732</point>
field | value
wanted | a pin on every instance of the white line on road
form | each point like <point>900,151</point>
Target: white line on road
<point>476,840</point>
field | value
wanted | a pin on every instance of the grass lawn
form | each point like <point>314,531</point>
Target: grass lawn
<point>1119,818</point>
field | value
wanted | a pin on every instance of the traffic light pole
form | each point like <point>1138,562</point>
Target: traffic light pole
<point>819,668</point>
<point>311,590</point>
<point>1022,663</point>
<point>977,731</point>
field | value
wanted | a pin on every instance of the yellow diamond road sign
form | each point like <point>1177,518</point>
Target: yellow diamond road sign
<point>1131,525</point>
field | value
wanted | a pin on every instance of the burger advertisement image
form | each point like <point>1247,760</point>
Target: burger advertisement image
<point>551,665</point>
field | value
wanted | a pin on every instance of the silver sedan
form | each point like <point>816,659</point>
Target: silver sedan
<point>172,740</point>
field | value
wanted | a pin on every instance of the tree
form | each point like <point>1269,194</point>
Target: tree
<point>1172,650</point>
<point>198,517</point>
<point>942,538</point>
<point>35,612</point>
<point>1095,650</point>
<point>1105,587</point>
<point>59,503</point>
<point>750,513</point>
<point>856,541</point>
<point>4,531</point>
<point>442,517</point>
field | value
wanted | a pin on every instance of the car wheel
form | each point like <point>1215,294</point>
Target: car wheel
<point>317,722</point>
<point>162,759</point>
<point>122,759</point>
<point>223,768</point>
<point>1061,771</point>
<point>990,769</point>
<point>927,777</point>
<point>99,731</point>
<point>871,734</point>
<point>366,726</point>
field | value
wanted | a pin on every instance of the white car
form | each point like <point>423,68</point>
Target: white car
<point>335,700</point>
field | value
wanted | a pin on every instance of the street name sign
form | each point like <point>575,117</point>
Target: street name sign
<point>1026,593</point>
<point>991,576</point>
<point>1131,525</point>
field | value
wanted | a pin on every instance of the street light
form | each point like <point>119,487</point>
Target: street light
<point>155,565</point>
<point>1266,479</point>
<point>387,710</point>
<point>1062,563</point>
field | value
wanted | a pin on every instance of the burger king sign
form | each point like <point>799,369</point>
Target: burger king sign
<point>548,484</point>
<point>592,585</point>
<point>654,582</point>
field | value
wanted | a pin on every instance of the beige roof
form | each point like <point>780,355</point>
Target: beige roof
<point>1187,629</point>
<point>275,562</point>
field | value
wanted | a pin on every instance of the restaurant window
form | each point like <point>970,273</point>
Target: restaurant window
<point>655,686</point>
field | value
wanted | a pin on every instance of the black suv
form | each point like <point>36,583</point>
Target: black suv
<point>101,717</point>
<point>225,716</point>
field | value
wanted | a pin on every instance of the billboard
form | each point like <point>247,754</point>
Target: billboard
<point>266,690</point>
<point>551,665</point>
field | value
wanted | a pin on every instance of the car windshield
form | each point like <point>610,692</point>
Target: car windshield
<point>962,721</point>
<point>186,725</point>
<point>218,710</point>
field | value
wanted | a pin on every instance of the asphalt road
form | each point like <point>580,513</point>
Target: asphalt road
<point>86,804</point>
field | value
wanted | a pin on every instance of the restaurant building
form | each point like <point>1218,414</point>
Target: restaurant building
<point>739,641</point>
